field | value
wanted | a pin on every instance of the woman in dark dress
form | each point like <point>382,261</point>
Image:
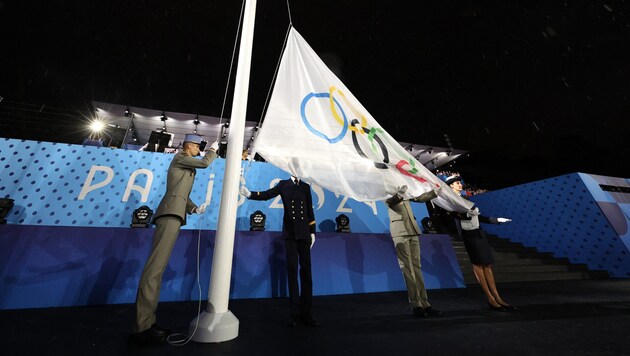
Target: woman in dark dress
<point>478,248</point>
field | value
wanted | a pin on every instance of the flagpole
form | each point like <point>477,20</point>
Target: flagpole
<point>217,323</point>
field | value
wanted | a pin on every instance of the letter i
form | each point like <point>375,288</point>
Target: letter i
<point>209,191</point>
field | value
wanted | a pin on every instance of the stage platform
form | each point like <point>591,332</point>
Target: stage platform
<point>581,317</point>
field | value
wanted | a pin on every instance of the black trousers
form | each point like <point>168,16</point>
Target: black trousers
<point>299,251</point>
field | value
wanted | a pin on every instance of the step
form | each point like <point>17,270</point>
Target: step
<point>516,263</point>
<point>525,264</point>
<point>512,258</point>
<point>507,270</point>
<point>523,277</point>
<point>530,268</point>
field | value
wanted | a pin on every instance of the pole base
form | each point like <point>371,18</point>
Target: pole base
<point>214,327</point>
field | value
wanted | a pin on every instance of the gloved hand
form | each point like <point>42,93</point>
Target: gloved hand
<point>312,240</point>
<point>201,209</point>
<point>244,191</point>
<point>214,146</point>
<point>473,212</point>
<point>503,220</point>
<point>402,190</point>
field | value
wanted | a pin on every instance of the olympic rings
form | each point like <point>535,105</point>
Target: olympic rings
<point>357,128</point>
<point>343,123</point>
<point>354,111</point>
<point>371,136</point>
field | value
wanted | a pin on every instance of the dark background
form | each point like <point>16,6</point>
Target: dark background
<point>531,88</point>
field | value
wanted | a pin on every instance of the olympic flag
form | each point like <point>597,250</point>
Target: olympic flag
<point>315,129</point>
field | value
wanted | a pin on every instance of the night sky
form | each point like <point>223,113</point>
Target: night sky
<point>531,88</point>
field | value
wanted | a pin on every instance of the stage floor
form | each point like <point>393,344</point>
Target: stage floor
<point>582,317</point>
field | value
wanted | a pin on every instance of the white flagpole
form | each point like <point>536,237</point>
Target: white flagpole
<point>217,323</point>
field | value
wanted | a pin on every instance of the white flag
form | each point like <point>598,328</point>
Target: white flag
<point>315,129</point>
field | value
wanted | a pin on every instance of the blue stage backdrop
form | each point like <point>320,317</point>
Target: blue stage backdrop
<point>583,217</point>
<point>72,185</point>
<point>55,266</point>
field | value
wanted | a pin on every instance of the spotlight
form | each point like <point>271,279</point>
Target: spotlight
<point>97,126</point>
<point>257,221</point>
<point>196,122</point>
<point>141,217</point>
<point>343,223</point>
<point>127,112</point>
<point>428,226</point>
<point>226,125</point>
<point>449,152</point>
<point>163,117</point>
<point>5,206</point>
<point>427,150</point>
<point>409,148</point>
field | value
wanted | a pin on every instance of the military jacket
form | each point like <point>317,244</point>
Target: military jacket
<point>179,181</point>
<point>299,218</point>
<point>402,222</point>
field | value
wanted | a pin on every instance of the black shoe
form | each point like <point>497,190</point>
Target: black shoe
<point>509,307</point>
<point>432,312</point>
<point>149,337</point>
<point>161,330</point>
<point>499,308</point>
<point>309,321</point>
<point>420,312</point>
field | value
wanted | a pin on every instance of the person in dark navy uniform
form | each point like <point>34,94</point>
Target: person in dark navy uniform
<point>298,231</point>
<point>478,247</point>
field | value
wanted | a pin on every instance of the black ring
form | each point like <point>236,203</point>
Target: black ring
<point>378,140</point>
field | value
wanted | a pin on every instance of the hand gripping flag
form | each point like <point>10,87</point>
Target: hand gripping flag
<point>315,129</point>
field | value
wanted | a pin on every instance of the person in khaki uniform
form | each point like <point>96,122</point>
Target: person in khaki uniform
<point>405,234</point>
<point>169,218</point>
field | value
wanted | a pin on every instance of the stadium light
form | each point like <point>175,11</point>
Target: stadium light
<point>97,126</point>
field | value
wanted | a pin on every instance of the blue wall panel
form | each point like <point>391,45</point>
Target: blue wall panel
<point>73,185</point>
<point>562,215</point>
<point>42,266</point>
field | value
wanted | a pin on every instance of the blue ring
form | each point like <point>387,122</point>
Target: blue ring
<point>312,129</point>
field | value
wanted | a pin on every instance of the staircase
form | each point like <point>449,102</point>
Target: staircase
<point>516,263</point>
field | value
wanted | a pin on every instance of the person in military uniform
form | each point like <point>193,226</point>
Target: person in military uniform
<point>169,218</point>
<point>405,234</point>
<point>298,231</point>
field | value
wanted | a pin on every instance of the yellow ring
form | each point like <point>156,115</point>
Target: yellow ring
<point>354,111</point>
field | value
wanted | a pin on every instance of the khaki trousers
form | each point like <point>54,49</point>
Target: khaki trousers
<point>164,237</point>
<point>408,252</point>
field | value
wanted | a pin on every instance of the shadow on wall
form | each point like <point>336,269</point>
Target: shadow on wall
<point>448,278</point>
<point>327,226</point>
